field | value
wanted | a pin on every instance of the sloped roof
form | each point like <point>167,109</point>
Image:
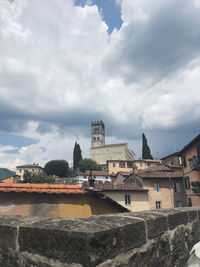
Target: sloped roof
<point>41,188</point>
<point>29,166</point>
<point>161,171</point>
<point>117,187</point>
<point>124,173</point>
<point>161,168</point>
<point>195,140</point>
<point>175,154</point>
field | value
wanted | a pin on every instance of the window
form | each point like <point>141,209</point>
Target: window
<point>184,161</point>
<point>177,187</point>
<point>179,204</point>
<point>98,138</point>
<point>140,164</point>
<point>127,199</point>
<point>32,170</point>
<point>187,182</point>
<point>96,130</point>
<point>156,187</point>
<point>189,202</point>
<point>113,164</point>
<point>148,164</point>
<point>84,176</point>
<point>20,170</point>
<point>122,164</point>
<point>129,165</point>
<point>158,205</point>
<point>94,139</point>
<point>198,151</point>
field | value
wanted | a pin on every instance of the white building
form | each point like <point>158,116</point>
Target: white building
<point>98,176</point>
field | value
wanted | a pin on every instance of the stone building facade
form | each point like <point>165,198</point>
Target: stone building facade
<point>101,153</point>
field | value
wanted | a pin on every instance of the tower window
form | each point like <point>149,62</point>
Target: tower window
<point>94,138</point>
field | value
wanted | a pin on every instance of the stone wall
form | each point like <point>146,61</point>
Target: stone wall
<point>149,238</point>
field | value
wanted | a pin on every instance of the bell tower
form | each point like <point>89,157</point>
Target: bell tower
<point>97,133</point>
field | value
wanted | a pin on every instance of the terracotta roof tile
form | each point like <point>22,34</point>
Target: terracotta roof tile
<point>29,166</point>
<point>41,188</point>
<point>118,187</point>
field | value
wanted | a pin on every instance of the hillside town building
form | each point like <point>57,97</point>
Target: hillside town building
<point>131,196</point>
<point>164,184</point>
<point>33,168</point>
<point>98,176</point>
<point>115,166</point>
<point>101,153</point>
<point>190,159</point>
<point>54,201</point>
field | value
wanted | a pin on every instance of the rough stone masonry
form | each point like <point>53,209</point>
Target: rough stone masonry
<point>149,238</point>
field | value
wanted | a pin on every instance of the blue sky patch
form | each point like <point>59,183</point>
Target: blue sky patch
<point>15,140</point>
<point>110,10</point>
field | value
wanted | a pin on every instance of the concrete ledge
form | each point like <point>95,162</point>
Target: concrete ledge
<point>91,241</point>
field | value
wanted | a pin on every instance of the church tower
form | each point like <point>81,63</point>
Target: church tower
<point>97,133</point>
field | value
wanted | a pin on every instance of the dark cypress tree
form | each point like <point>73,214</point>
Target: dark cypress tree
<point>77,156</point>
<point>146,152</point>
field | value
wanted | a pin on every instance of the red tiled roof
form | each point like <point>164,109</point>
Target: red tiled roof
<point>124,173</point>
<point>118,187</point>
<point>154,169</point>
<point>160,174</point>
<point>29,166</point>
<point>41,188</point>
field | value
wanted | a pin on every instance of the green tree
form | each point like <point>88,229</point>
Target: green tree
<point>77,156</point>
<point>146,152</point>
<point>57,167</point>
<point>88,164</point>
<point>33,178</point>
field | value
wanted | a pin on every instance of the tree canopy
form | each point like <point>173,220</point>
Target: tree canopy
<point>146,152</point>
<point>88,164</point>
<point>77,156</point>
<point>57,167</point>
<point>33,178</point>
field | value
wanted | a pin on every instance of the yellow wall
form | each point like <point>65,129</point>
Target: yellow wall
<point>20,171</point>
<point>139,200</point>
<point>114,166</point>
<point>49,205</point>
<point>167,199</point>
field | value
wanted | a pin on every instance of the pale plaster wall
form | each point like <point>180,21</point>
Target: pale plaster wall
<point>20,171</point>
<point>114,167</point>
<point>166,195</point>
<point>53,205</point>
<point>102,154</point>
<point>139,200</point>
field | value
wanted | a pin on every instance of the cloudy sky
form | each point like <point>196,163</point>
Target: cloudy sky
<point>63,63</point>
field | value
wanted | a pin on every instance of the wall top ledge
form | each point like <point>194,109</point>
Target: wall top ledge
<point>87,241</point>
<point>101,222</point>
